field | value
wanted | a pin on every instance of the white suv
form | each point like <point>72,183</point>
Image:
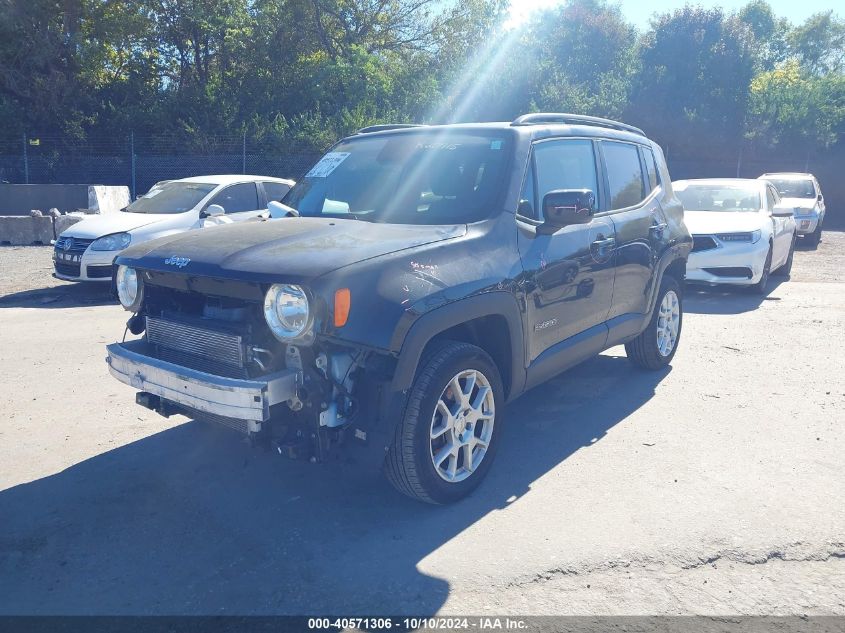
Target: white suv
<point>86,250</point>
<point>803,193</point>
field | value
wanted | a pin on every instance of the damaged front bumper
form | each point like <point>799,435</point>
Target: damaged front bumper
<point>234,398</point>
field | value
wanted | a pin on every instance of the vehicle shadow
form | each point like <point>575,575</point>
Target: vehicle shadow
<point>699,299</point>
<point>804,244</point>
<point>193,521</point>
<point>70,295</point>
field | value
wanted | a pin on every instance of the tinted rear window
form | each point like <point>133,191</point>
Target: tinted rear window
<point>624,174</point>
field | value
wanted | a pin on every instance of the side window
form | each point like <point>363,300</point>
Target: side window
<point>237,198</point>
<point>651,166</point>
<point>564,164</point>
<point>275,190</point>
<point>527,202</point>
<point>772,197</point>
<point>624,174</point>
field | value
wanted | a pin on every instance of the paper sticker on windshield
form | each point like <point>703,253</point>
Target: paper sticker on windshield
<point>495,144</point>
<point>327,164</point>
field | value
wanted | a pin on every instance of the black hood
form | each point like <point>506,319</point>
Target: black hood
<point>267,250</point>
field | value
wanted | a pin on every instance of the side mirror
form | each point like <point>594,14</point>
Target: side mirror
<point>819,198</point>
<point>213,210</point>
<point>279,210</point>
<point>782,212</point>
<point>563,207</point>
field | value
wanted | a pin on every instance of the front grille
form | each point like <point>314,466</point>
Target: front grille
<point>75,245</point>
<point>729,271</point>
<point>216,345</point>
<point>98,272</point>
<point>70,269</point>
<point>702,243</point>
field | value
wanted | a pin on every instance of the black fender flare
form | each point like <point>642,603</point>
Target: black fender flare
<point>669,257</point>
<point>430,324</point>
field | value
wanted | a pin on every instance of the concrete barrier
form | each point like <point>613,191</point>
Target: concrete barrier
<point>64,222</point>
<point>103,199</point>
<point>23,231</point>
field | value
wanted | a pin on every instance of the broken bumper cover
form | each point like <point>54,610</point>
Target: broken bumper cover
<point>243,399</point>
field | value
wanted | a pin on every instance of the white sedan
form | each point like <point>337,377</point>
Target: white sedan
<point>86,250</point>
<point>741,231</point>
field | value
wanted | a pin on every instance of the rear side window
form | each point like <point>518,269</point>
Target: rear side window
<point>651,166</point>
<point>238,198</point>
<point>624,174</point>
<point>564,164</point>
<point>275,190</point>
<point>772,197</point>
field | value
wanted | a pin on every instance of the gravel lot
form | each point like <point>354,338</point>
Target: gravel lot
<point>712,488</point>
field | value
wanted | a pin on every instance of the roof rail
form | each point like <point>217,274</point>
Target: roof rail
<point>387,126</point>
<point>538,118</point>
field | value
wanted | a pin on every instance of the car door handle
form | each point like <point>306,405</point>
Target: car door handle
<point>658,228</point>
<point>608,242</point>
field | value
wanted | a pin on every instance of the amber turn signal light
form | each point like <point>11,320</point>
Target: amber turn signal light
<point>342,301</point>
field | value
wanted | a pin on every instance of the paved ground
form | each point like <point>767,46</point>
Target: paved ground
<point>714,487</point>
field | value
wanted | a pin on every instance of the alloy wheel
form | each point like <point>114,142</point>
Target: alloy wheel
<point>462,425</point>
<point>668,323</point>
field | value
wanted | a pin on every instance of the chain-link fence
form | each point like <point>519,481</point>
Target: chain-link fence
<point>138,162</point>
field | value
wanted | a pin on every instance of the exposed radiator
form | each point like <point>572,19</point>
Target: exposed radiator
<point>219,346</point>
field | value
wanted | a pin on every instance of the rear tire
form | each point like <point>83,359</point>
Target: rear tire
<point>652,349</point>
<point>786,269</point>
<point>815,237</point>
<point>456,394</point>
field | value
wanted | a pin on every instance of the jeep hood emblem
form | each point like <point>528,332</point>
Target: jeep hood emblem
<point>179,262</point>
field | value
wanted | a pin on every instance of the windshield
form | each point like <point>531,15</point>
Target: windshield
<point>171,197</point>
<point>793,188</point>
<point>410,178</point>
<point>719,198</point>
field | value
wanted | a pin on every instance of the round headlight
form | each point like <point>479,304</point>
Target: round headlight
<point>113,242</point>
<point>286,311</point>
<point>129,289</point>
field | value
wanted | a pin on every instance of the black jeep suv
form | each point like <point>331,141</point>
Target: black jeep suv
<point>426,276</point>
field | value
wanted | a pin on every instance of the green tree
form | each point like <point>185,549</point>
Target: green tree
<point>694,89</point>
<point>794,109</point>
<point>40,65</point>
<point>819,43</point>
<point>770,32</point>
<point>585,58</point>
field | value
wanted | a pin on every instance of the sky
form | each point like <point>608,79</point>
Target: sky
<point>639,12</point>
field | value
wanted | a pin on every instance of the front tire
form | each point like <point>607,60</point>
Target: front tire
<point>446,441</point>
<point>762,286</point>
<point>786,269</point>
<point>815,237</point>
<point>655,347</point>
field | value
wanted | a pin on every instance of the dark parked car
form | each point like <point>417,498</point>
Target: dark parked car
<point>427,276</point>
